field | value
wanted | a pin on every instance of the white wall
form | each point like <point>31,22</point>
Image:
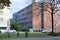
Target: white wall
<point>5,16</point>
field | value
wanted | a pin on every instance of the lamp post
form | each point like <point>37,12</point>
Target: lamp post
<point>8,28</point>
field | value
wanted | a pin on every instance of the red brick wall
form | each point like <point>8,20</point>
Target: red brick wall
<point>57,28</point>
<point>36,16</point>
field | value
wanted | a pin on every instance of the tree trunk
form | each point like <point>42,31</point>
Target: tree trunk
<point>8,34</point>
<point>17,33</point>
<point>52,20</point>
<point>26,34</point>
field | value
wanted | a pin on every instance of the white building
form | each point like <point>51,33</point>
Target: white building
<point>4,18</point>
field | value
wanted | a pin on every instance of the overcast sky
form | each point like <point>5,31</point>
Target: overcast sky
<point>17,5</point>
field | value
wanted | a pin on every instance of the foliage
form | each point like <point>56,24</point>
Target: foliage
<point>54,34</point>
<point>25,29</point>
<point>5,2</point>
<point>16,26</point>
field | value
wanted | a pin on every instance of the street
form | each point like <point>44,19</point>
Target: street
<point>42,38</point>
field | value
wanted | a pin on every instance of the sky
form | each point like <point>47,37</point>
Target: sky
<point>17,5</point>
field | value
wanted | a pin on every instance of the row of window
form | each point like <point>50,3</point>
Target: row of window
<point>23,10</point>
<point>2,28</point>
<point>1,12</point>
<point>23,19</point>
<point>1,19</point>
<point>24,14</point>
<point>30,22</point>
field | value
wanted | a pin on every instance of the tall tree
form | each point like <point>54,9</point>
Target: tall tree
<point>26,30</point>
<point>16,26</point>
<point>53,9</point>
<point>53,4</point>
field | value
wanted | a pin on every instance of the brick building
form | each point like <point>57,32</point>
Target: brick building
<point>24,16</point>
<point>36,16</point>
<point>42,16</point>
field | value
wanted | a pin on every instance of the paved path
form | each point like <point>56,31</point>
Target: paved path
<point>44,38</point>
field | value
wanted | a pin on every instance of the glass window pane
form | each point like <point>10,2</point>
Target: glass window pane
<point>1,12</point>
<point>2,28</point>
<point>1,19</point>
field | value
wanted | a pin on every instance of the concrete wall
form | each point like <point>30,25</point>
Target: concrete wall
<point>5,16</point>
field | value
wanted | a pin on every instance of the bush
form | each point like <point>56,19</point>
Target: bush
<point>54,34</point>
<point>58,33</point>
<point>37,30</point>
<point>0,31</point>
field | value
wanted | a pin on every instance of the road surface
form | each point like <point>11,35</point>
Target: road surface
<point>41,38</point>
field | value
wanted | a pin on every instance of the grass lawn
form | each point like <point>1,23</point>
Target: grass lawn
<point>38,35</point>
<point>23,35</point>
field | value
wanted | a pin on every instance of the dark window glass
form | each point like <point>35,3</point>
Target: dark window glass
<point>2,28</point>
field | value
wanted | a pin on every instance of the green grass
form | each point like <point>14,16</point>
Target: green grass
<point>23,35</point>
<point>38,35</point>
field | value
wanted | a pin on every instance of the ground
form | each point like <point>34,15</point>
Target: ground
<point>42,38</point>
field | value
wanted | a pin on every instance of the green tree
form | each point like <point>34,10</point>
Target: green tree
<point>16,26</point>
<point>26,30</point>
<point>5,2</point>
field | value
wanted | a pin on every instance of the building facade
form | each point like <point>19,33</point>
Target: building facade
<point>58,25</point>
<point>24,16</point>
<point>37,16</point>
<point>4,18</point>
<point>42,16</point>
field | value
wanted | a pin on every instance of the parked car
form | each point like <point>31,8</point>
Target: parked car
<point>2,31</point>
<point>48,30</point>
<point>11,31</point>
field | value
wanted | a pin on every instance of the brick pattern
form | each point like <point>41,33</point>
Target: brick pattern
<point>57,28</point>
<point>36,18</point>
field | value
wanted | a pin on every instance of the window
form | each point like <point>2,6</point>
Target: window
<point>1,19</point>
<point>2,28</point>
<point>1,12</point>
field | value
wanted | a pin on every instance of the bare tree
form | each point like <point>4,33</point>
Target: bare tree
<point>53,8</point>
<point>53,4</point>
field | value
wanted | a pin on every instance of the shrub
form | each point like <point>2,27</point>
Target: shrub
<point>54,34</point>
